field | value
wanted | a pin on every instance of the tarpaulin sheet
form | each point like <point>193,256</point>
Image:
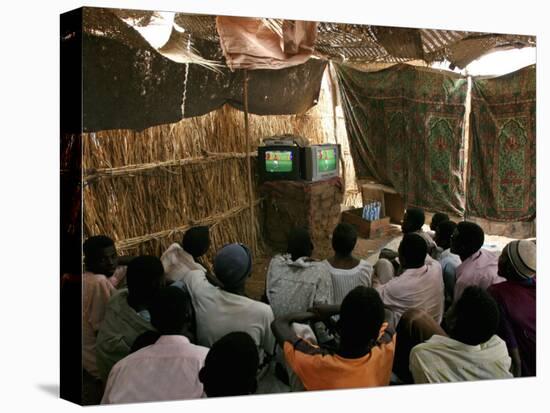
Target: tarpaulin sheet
<point>502,183</point>
<point>249,43</point>
<point>405,126</point>
<point>127,84</point>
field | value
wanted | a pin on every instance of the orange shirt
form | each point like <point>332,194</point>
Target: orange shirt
<point>320,370</point>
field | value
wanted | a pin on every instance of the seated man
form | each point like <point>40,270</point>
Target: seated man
<point>437,219</point>
<point>167,369</point>
<point>127,314</point>
<point>346,271</point>
<point>479,267</point>
<point>222,310</point>
<point>447,259</point>
<point>101,277</point>
<point>472,351</point>
<point>420,285</point>
<point>178,259</point>
<point>413,221</point>
<point>517,300</point>
<point>294,281</point>
<point>230,366</point>
<point>365,353</point>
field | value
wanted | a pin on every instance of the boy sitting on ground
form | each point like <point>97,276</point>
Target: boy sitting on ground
<point>101,277</point>
<point>127,314</point>
<point>346,271</point>
<point>183,257</point>
<point>365,353</point>
<point>420,285</point>
<point>479,266</point>
<point>230,366</point>
<point>167,369</point>
<point>471,350</point>
<point>449,261</point>
<point>517,301</point>
<point>222,310</point>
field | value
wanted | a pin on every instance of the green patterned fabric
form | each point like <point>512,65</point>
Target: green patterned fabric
<point>405,125</point>
<point>502,183</point>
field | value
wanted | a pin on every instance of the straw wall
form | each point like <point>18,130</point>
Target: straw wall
<point>144,189</point>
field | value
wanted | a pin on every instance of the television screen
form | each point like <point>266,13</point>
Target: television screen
<point>278,161</point>
<point>326,160</point>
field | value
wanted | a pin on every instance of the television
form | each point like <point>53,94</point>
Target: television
<point>320,162</point>
<point>279,162</point>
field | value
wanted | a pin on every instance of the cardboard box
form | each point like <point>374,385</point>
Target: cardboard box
<point>392,203</point>
<point>366,228</point>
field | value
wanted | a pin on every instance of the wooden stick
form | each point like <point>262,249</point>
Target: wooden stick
<point>248,163</point>
<point>94,174</point>
<point>334,98</point>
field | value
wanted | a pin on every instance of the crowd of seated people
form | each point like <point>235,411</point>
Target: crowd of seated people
<point>440,309</point>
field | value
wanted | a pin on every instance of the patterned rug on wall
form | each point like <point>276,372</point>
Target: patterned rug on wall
<point>405,126</point>
<point>502,184</point>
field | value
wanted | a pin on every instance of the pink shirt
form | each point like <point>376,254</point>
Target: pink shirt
<point>415,288</point>
<point>166,370</point>
<point>479,269</point>
<point>97,289</point>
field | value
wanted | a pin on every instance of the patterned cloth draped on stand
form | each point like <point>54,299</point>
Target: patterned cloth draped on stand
<point>502,185</point>
<point>406,130</point>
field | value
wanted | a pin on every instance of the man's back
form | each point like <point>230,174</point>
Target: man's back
<point>517,303</point>
<point>293,286</point>
<point>480,269</point>
<point>442,360</point>
<point>319,369</point>
<point>219,312</point>
<point>166,370</point>
<point>117,332</point>
<point>416,288</point>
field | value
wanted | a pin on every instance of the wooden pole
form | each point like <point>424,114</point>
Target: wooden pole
<point>248,163</point>
<point>334,98</point>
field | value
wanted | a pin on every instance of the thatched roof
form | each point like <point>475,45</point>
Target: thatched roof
<point>362,43</point>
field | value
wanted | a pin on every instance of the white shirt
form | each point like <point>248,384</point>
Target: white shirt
<point>443,360</point>
<point>415,288</point>
<point>294,286</point>
<point>177,262</point>
<point>219,312</point>
<point>343,281</point>
<point>166,370</point>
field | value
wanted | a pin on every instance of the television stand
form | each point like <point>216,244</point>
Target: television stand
<point>313,205</point>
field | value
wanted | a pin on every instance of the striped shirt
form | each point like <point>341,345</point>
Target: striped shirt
<point>343,281</point>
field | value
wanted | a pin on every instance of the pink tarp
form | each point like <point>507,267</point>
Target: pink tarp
<point>248,43</point>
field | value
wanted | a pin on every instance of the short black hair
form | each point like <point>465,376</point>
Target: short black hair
<point>445,231</point>
<point>361,316</point>
<point>92,246</point>
<point>170,310</point>
<point>477,316</point>
<point>437,219</point>
<point>412,250</point>
<point>230,366</point>
<point>414,219</point>
<point>196,241</point>
<point>144,278</point>
<point>299,243</point>
<point>344,238</point>
<point>471,236</point>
